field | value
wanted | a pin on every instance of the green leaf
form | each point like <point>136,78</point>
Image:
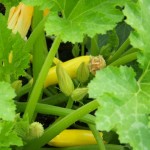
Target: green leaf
<point>22,126</point>
<point>83,17</point>
<point>42,3</point>
<point>124,104</point>
<point>7,106</point>
<point>8,4</point>
<point>138,18</point>
<point>13,60</point>
<point>8,136</point>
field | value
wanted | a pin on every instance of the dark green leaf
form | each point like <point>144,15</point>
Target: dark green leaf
<point>83,17</point>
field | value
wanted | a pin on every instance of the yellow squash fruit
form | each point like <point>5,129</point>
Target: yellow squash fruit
<point>70,66</point>
<point>73,137</point>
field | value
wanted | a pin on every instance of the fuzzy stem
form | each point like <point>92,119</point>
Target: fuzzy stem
<point>35,34</point>
<point>69,103</point>
<point>131,50</point>
<point>119,52</point>
<point>125,59</point>
<point>99,140</point>
<point>54,110</point>
<point>59,126</point>
<point>35,94</point>
<point>24,89</point>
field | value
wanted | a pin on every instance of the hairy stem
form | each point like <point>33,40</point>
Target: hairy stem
<point>59,126</point>
<point>38,86</point>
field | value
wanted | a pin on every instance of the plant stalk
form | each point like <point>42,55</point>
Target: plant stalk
<point>38,86</point>
<point>59,126</point>
<point>119,52</point>
<point>125,59</point>
<point>97,136</point>
<point>54,110</point>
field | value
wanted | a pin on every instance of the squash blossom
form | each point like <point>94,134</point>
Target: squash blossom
<point>19,19</point>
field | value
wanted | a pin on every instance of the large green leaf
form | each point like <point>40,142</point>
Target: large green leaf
<point>138,18</point>
<point>43,4</point>
<point>7,106</point>
<point>13,60</point>
<point>10,3</point>
<point>124,104</point>
<point>83,17</point>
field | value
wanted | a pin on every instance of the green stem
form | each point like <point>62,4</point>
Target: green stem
<point>59,126</point>
<point>28,76</point>
<point>131,50</point>
<point>35,94</point>
<point>119,52</point>
<point>69,103</point>
<point>82,49</point>
<point>55,99</point>
<point>24,89</point>
<point>47,92</point>
<point>94,46</point>
<point>40,47</point>
<point>97,136</point>
<point>125,59</point>
<point>38,30</point>
<point>89,147</point>
<point>54,110</point>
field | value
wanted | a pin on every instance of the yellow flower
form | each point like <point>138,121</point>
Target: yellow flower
<point>19,19</point>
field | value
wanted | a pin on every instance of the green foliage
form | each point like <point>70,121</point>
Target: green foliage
<point>43,4</point>
<point>7,106</point>
<point>123,97</point>
<point>22,126</point>
<point>137,16</point>
<point>78,19</point>
<point>8,4</point>
<point>8,136</point>
<point>11,44</point>
<point>124,104</point>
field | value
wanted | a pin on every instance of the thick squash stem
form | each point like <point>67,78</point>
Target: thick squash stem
<point>19,19</point>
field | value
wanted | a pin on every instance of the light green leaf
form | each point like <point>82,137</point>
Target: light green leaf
<point>10,3</point>
<point>138,17</point>
<point>7,106</point>
<point>22,126</point>
<point>13,60</point>
<point>83,17</point>
<point>124,104</point>
<point>42,3</point>
<point>8,136</point>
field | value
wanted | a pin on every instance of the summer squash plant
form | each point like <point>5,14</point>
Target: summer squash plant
<point>107,94</point>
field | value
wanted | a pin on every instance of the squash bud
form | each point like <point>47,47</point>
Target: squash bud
<point>36,130</point>
<point>79,93</point>
<point>65,83</point>
<point>82,72</point>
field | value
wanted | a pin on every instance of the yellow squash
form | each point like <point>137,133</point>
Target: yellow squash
<point>73,137</point>
<point>70,66</point>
